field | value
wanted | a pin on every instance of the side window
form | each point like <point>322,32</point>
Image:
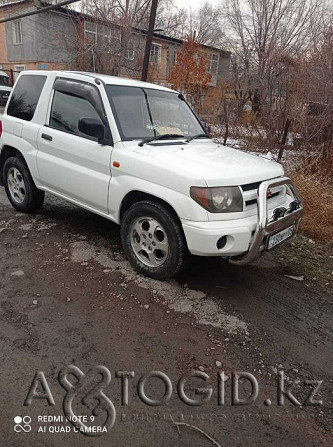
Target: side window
<point>67,109</point>
<point>25,97</point>
<point>155,53</point>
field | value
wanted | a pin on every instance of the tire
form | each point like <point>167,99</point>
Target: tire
<point>20,187</point>
<point>153,240</point>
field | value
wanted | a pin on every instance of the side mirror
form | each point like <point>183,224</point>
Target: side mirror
<point>92,127</point>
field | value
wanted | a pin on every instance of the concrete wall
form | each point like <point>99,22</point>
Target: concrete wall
<point>47,37</point>
<point>3,46</point>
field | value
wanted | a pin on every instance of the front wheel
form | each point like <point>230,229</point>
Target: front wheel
<point>153,240</point>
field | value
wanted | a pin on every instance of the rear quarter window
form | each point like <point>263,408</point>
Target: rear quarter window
<point>25,96</point>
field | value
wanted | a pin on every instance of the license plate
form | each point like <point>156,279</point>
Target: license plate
<point>279,237</point>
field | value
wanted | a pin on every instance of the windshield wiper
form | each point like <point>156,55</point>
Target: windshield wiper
<point>167,136</point>
<point>194,137</point>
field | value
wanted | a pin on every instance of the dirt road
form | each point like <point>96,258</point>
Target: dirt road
<point>68,297</point>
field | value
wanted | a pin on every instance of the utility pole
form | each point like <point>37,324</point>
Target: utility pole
<point>149,39</point>
<point>39,10</point>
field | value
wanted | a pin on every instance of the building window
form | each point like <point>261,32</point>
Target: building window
<point>115,34</point>
<point>175,56</point>
<point>109,33</point>
<point>130,51</point>
<point>90,31</point>
<point>113,37</point>
<point>18,69</point>
<point>17,32</point>
<point>130,54</point>
<point>213,63</point>
<point>108,39</point>
<point>155,54</point>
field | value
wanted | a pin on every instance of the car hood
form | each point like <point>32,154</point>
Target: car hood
<point>216,164</point>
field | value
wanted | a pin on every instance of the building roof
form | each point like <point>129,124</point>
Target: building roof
<point>180,41</point>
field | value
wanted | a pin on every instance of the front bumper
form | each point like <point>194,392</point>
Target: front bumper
<point>245,238</point>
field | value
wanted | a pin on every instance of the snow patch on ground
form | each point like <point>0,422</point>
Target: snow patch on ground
<point>25,227</point>
<point>175,296</point>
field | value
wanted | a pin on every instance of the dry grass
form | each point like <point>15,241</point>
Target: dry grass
<point>317,222</point>
<point>313,176</point>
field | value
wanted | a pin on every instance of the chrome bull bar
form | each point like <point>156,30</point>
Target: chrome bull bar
<point>265,227</point>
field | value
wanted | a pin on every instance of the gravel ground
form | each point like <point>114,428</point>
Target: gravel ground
<point>69,297</point>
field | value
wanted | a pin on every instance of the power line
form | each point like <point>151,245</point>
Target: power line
<point>38,11</point>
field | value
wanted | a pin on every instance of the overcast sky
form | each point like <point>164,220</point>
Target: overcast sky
<point>194,4</point>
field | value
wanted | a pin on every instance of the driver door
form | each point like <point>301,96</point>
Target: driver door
<point>70,163</point>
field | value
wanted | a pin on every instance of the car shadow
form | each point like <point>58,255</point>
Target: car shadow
<point>211,273</point>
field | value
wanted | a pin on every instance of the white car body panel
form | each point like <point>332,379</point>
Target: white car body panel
<point>76,167</point>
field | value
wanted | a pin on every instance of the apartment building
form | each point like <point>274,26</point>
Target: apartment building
<point>67,39</point>
<point>37,42</point>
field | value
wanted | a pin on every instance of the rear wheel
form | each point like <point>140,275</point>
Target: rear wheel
<point>153,240</point>
<point>20,187</point>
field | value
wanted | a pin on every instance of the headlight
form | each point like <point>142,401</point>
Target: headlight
<point>223,199</point>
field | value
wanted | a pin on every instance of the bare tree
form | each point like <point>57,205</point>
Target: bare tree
<point>268,37</point>
<point>267,27</point>
<point>173,21</point>
<point>123,12</point>
<point>117,45</point>
<point>315,120</point>
<point>205,23</point>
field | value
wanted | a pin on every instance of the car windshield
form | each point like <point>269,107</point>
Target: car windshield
<point>4,80</point>
<point>144,113</point>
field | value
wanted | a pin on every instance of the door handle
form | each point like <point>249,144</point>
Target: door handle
<point>46,137</point>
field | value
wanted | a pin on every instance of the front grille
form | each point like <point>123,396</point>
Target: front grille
<point>251,186</point>
<point>254,201</point>
<point>250,193</point>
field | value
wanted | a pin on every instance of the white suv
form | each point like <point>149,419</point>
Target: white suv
<point>136,154</point>
<point>5,88</point>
